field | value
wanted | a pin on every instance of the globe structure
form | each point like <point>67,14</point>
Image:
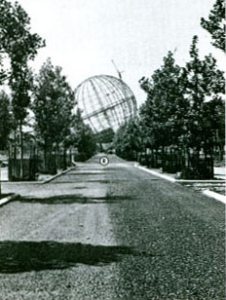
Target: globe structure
<point>105,102</point>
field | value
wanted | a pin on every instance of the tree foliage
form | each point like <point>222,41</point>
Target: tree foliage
<point>214,123</point>
<point>20,46</point>
<point>105,136</point>
<point>128,139</point>
<point>53,104</point>
<point>178,99</point>
<point>162,113</point>
<point>3,72</point>
<point>82,137</point>
<point>204,83</point>
<point>215,24</point>
<point>183,116</point>
<point>5,119</point>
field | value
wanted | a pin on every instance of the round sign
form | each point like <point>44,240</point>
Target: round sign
<point>104,161</point>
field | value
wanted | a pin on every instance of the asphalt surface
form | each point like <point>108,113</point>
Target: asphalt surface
<point>111,232</point>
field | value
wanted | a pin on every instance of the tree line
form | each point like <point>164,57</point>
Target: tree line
<point>44,101</point>
<point>182,119</point>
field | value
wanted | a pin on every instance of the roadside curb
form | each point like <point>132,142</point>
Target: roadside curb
<point>42,181</point>
<point>13,196</point>
<point>200,180</point>
<point>5,200</point>
<point>214,195</point>
<point>208,193</point>
<point>171,179</point>
<point>57,175</point>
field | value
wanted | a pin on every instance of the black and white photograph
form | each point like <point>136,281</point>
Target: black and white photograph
<point>112,150</point>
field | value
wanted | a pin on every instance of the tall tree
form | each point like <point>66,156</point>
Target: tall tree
<point>204,83</point>
<point>20,46</point>
<point>162,115</point>
<point>204,89</point>
<point>53,104</point>
<point>5,120</point>
<point>215,24</point>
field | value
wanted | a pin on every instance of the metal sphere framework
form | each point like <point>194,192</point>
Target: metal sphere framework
<point>105,102</point>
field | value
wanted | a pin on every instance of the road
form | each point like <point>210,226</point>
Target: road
<point>111,232</point>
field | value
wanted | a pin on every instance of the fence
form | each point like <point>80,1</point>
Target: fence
<point>174,160</point>
<point>36,162</point>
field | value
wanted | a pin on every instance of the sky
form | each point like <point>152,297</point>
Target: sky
<point>83,36</point>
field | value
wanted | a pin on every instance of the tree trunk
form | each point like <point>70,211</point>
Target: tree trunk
<point>21,151</point>
<point>163,157</point>
<point>14,146</point>
<point>70,157</point>
<point>57,157</point>
<point>45,155</point>
<point>65,158</point>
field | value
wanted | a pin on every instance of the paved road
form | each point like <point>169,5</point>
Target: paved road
<point>111,232</point>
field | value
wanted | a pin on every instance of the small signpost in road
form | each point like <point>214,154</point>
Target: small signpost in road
<point>104,160</point>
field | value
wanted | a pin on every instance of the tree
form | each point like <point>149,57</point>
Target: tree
<point>162,115</point>
<point>127,141</point>
<point>52,106</point>
<point>105,136</point>
<point>215,24</point>
<point>214,125</point>
<point>204,89</point>
<point>82,137</point>
<point>20,46</point>
<point>5,120</point>
<point>204,83</point>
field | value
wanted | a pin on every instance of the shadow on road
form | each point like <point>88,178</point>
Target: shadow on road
<point>25,256</point>
<point>76,198</point>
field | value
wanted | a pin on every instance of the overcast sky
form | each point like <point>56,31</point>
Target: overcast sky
<point>83,36</point>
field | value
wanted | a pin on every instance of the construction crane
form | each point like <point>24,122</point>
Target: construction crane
<point>117,70</point>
